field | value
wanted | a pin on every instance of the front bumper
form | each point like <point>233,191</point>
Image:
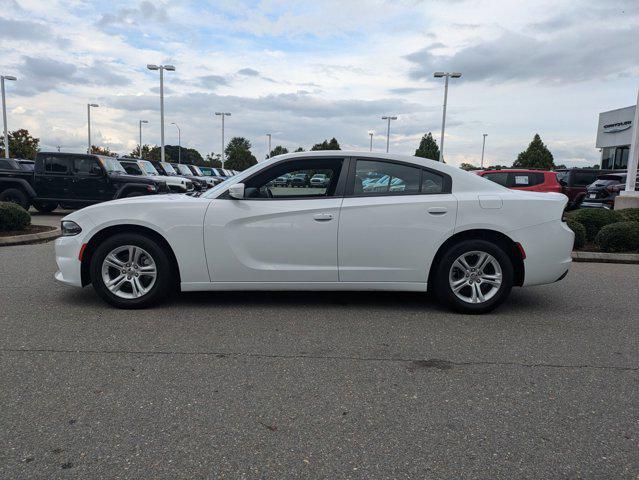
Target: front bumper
<point>67,250</point>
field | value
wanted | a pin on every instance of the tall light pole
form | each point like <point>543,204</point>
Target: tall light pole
<point>4,114</point>
<point>223,114</point>
<point>389,118</point>
<point>269,144</point>
<point>161,68</point>
<point>179,141</point>
<point>141,122</point>
<point>446,75</point>
<point>483,146</point>
<point>370,134</point>
<point>89,105</point>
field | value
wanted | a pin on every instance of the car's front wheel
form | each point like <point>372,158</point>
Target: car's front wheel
<point>130,270</point>
<point>474,276</point>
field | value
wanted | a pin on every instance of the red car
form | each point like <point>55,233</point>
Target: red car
<point>523,179</point>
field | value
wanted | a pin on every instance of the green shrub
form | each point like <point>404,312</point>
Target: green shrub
<point>13,217</point>
<point>596,218</point>
<point>629,214</point>
<point>580,232</point>
<point>619,237</point>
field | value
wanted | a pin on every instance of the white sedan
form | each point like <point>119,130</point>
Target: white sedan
<point>466,238</point>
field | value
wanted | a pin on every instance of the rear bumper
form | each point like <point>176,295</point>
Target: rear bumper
<point>548,250</point>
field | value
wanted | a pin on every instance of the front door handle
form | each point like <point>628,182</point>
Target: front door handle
<point>323,217</point>
<point>437,210</point>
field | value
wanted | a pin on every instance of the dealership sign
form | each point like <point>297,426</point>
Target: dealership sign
<point>617,127</point>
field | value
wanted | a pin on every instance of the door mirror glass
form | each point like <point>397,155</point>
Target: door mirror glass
<point>96,171</point>
<point>237,191</point>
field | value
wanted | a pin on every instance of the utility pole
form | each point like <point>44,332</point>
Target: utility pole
<point>4,114</point>
<point>89,105</point>
<point>223,114</point>
<point>389,118</point>
<point>446,75</point>
<point>370,133</point>
<point>483,146</point>
<point>140,150</point>
<point>161,68</point>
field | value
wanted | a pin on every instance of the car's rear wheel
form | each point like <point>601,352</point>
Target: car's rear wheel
<point>131,270</point>
<point>45,207</point>
<point>15,195</point>
<point>474,276</point>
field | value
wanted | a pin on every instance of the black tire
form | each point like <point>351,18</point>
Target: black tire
<point>164,281</point>
<point>444,290</point>
<point>45,207</point>
<point>17,196</point>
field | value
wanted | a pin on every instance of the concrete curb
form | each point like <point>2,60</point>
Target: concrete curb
<point>31,237</point>
<point>600,257</point>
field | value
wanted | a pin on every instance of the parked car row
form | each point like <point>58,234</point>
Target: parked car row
<point>587,188</point>
<point>74,180</point>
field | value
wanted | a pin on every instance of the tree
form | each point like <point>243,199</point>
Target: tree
<point>145,151</point>
<point>238,154</point>
<point>299,149</point>
<point>102,151</point>
<point>21,144</point>
<point>428,147</point>
<point>155,155</point>
<point>184,155</point>
<point>536,155</point>
<point>213,160</point>
<point>468,166</point>
<point>278,150</point>
<point>333,144</point>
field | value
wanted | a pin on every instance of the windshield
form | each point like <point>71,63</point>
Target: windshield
<point>197,170</point>
<point>149,168</point>
<point>112,165</point>
<point>183,169</point>
<point>168,168</point>
<point>224,185</point>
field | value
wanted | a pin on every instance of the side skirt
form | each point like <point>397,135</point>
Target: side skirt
<point>309,286</point>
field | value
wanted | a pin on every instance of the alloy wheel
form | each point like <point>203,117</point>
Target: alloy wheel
<point>475,277</point>
<point>129,271</point>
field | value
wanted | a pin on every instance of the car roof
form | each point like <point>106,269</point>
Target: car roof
<point>517,170</point>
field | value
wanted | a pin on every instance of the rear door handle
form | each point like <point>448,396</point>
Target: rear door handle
<point>437,210</point>
<point>323,217</point>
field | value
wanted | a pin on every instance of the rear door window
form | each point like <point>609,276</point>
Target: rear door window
<point>498,177</point>
<point>385,178</point>
<point>57,165</point>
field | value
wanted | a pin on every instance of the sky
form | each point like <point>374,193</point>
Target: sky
<point>306,71</point>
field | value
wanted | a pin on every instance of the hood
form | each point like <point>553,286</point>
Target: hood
<point>126,178</point>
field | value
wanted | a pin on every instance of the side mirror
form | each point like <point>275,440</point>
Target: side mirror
<point>96,171</point>
<point>237,191</point>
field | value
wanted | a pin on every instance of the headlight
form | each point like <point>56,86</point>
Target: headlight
<point>70,228</point>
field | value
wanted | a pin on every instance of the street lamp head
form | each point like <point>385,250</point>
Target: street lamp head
<point>150,66</point>
<point>144,121</point>
<point>170,68</point>
<point>93,105</point>
<point>439,74</point>
<point>456,74</point>
<point>9,77</point>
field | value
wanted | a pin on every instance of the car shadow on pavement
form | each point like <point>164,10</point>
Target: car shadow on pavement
<point>521,301</point>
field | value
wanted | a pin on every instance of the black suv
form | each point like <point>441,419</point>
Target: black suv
<point>73,180</point>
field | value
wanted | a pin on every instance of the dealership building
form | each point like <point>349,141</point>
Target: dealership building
<point>614,136</point>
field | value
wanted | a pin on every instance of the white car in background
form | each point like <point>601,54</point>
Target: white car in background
<point>143,167</point>
<point>467,238</point>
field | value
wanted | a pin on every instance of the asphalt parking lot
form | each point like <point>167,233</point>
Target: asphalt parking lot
<point>318,385</point>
